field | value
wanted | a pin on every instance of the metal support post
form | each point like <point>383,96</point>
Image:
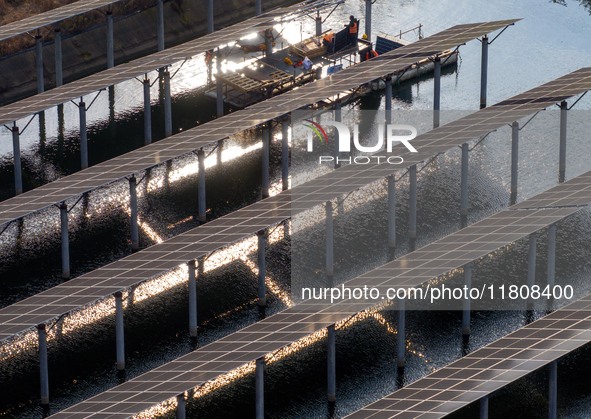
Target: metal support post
<point>39,63</point>
<point>201,207</point>
<point>59,72</point>
<point>219,84</point>
<point>531,260</point>
<point>193,327</point>
<point>147,113</point>
<point>65,240</point>
<point>551,266</point>
<point>119,331</point>
<point>135,235</point>
<point>160,24</point>
<point>391,212</point>
<point>331,360</point>
<point>484,407</point>
<point>259,7</point>
<point>110,41</point>
<point>552,389</point>
<point>338,117</point>
<point>43,364</point>
<point>466,301</point>
<point>262,243</point>
<point>401,336</point>
<point>260,388</point>
<point>562,151</point>
<point>83,135</point>
<point>483,71</point>
<point>167,105</point>
<point>181,410</point>
<point>464,182</point>
<point>210,18</point>
<point>412,221</point>
<point>284,153</point>
<point>514,160</point>
<point>437,92</point>
<point>318,21</point>
<point>18,171</point>
<point>266,157</point>
<point>388,100</point>
<point>329,241</point>
<point>368,4</point>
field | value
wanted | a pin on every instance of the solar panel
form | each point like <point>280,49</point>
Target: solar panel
<point>200,136</point>
<point>51,16</point>
<point>298,322</point>
<point>489,368</point>
<point>137,268</point>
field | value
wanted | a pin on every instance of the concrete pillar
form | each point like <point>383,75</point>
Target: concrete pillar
<point>181,410</point>
<point>210,18</point>
<point>16,150</point>
<point>43,364</point>
<point>551,266</point>
<point>83,135</point>
<point>412,221</point>
<point>135,235</point>
<point>192,300</point>
<point>437,92</point>
<point>514,160</point>
<point>39,63</point>
<point>484,407</point>
<point>59,72</point>
<point>285,153</point>
<point>552,389</point>
<point>262,243</point>
<point>260,388</point>
<point>219,84</point>
<point>167,105</point>
<point>331,361</point>
<point>368,4</point>
<point>266,157</point>
<point>391,212</point>
<point>464,183</point>
<point>318,21</point>
<point>258,7</point>
<point>119,331</point>
<point>147,113</point>
<point>466,301</point>
<point>160,24</point>
<point>110,41</point>
<point>329,241</point>
<point>65,240</point>
<point>562,151</point>
<point>483,71</point>
<point>201,207</point>
<point>401,336</point>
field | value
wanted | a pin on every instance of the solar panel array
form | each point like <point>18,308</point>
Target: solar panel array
<point>50,17</point>
<point>489,368</point>
<point>298,322</point>
<point>138,67</point>
<point>203,135</point>
<point>218,233</point>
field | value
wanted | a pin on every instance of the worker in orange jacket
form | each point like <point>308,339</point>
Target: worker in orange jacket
<point>353,29</point>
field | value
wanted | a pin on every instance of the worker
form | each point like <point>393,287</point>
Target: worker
<point>370,53</point>
<point>353,29</point>
<point>328,41</point>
